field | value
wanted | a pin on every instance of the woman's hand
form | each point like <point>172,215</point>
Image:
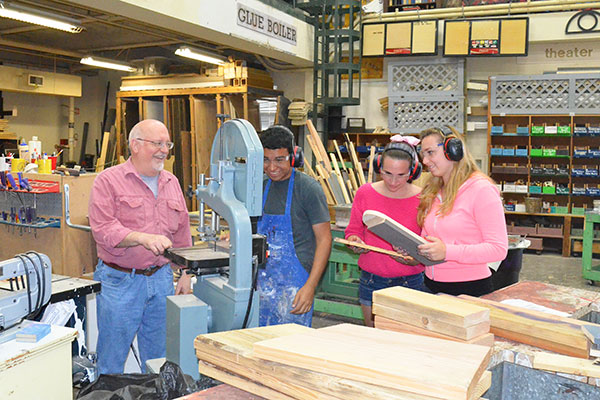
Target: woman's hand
<point>435,250</point>
<point>357,250</point>
<point>405,259</point>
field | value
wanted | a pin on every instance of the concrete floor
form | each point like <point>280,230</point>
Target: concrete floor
<point>548,268</point>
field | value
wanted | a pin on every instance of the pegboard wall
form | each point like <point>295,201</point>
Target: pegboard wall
<point>545,94</point>
<point>423,95</point>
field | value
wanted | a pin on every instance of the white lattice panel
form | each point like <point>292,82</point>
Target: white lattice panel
<point>415,116</point>
<point>425,78</point>
<point>587,94</point>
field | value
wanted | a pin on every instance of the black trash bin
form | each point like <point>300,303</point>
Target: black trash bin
<point>509,269</point>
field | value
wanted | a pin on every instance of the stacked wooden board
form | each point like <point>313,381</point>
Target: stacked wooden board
<point>343,362</point>
<point>339,182</point>
<point>546,331</point>
<point>298,112</point>
<point>407,310</point>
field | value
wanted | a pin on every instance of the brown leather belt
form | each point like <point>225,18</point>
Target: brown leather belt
<point>145,272</point>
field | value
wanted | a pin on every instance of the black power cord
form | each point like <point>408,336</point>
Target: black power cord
<point>251,297</point>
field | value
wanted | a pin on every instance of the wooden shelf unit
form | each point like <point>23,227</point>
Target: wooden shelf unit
<point>530,170</point>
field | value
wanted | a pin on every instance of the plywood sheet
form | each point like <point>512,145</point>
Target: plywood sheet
<point>232,351</point>
<point>399,38</point>
<point>445,309</point>
<point>424,37</point>
<point>373,39</point>
<point>513,38</point>
<point>456,38</point>
<point>430,366</point>
<point>205,114</point>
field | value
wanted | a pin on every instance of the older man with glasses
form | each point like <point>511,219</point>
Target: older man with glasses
<point>137,211</point>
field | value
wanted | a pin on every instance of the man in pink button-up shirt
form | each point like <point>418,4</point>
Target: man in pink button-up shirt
<point>136,211</point>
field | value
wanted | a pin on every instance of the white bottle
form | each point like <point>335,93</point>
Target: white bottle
<point>35,148</point>
<point>24,151</point>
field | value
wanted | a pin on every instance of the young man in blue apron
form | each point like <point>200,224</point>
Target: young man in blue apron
<point>296,222</point>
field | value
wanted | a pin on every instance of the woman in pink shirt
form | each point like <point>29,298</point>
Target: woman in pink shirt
<point>397,197</point>
<point>461,215</point>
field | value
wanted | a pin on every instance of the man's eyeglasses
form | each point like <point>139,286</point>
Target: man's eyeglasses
<point>158,145</point>
<point>429,152</point>
<point>277,160</point>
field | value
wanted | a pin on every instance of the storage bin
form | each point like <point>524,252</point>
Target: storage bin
<point>559,209</point>
<point>578,211</point>
<point>524,230</point>
<point>537,171</point>
<point>562,189</point>
<point>594,153</point>
<point>522,130</point>
<point>509,187</point>
<point>580,153</point>
<point>592,191</point>
<point>508,151</point>
<point>536,152</point>
<point>549,171</point>
<point>509,207</point>
<point>549,189</point>
<point>578,172</point>
<point>591,172</point>
<point>521,170</point>
<point>496,151</point>
<point>497,129</point>
<point>511,169</point>
<point>578,191</point>
<point>562,171</point>
<point>536,243</point>
<point>564,130</point>
<point>520,188</point>
<point>534,189</point>
<point>549,152</point>
<point>521,152</point>
<point>498,169</point>
<point>542,230</point>
<point>594,130</point>
<point>580,131</point>
<point>537,130</point>
<point>562,152</point>
<point>551,130</point>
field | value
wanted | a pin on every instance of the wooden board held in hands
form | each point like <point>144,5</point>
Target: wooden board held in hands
<point>396,234</point>
<point>427,366</point>
<point>369,247</point>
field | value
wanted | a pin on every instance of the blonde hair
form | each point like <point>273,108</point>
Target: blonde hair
<point>461,171</point>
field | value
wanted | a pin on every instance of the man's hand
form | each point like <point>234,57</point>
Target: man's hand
<point>184,284</point>
<point>357,250</point>
<point>435,250</point>
<point>157,244</point>
<point>304,300</point>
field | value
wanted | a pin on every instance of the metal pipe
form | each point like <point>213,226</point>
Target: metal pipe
<point>491,9</point>
<point>68,213</point>
<point>71,128</point>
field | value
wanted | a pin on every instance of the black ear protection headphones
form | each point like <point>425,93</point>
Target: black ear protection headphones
<point>297,154</point>
<point>453,146</point>
<point>415,166</point>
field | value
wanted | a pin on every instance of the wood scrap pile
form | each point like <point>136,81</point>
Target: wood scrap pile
<point>406,310</point>
<point>339,182</point>
<point>383,104</point>
<point>298,112</point>
<point>546,331</point>
<point>4,133</point>
<point>343,362</point>
<point>237,73</point>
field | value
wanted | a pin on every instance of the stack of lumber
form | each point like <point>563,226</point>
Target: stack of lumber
<point>406,310</point>
<point>4,133</point>
<point>383,104</point>
<point>338,181</point>
<point>237,73</point>
<point>298,112</point>
<point>546,331</point>
<point>343,362</point>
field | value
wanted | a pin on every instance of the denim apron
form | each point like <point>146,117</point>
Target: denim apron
<point>284,275</point>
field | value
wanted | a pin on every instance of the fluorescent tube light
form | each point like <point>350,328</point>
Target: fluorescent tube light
<point>108,64</point>
<point>200,55</point>
<point>37,17</point>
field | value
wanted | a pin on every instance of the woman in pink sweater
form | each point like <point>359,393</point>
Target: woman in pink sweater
<point>461,215</point>
<point>397,197</point>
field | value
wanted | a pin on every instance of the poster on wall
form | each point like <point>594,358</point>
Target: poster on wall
<point>411,38</point>
<point>486,37</point>
<point>370,68</point>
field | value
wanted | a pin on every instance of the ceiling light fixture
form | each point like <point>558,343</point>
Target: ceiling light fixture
<point>108,64</point>
<point>185,51</point>
<point>37,17</point>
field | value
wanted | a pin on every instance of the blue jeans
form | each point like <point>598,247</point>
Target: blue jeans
<point>130,304</point>
<point>370,282</point>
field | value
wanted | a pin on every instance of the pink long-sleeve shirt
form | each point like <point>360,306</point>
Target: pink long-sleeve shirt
<point>474,232</point>
<point>121,203</point>
<point>402,210</point>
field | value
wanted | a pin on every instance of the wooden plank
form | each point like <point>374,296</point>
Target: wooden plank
<point>232,351</point>
<point>592,332</point>
<point>381,322</point>
<point>371,158</point>
<point>565,364</point>
<point>368,247</point>
<point>447,309</point>
<point>339,154</point>
<point>430,366</point>
<point>357,166</point>
<point>319,145</point>
<point>224,376</point>
<point>353,179</point>
<point>102,159</point>
<point>561,335</point>
<point>338,177</point>
<point>432,324</point>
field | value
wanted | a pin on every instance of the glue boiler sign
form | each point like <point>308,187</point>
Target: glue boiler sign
<point>265,24</point>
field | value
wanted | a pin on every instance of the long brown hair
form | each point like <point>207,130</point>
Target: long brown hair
<point>461,171</point>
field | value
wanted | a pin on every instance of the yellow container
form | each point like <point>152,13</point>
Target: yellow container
<point>44,166</point>
<point>17,165</point>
